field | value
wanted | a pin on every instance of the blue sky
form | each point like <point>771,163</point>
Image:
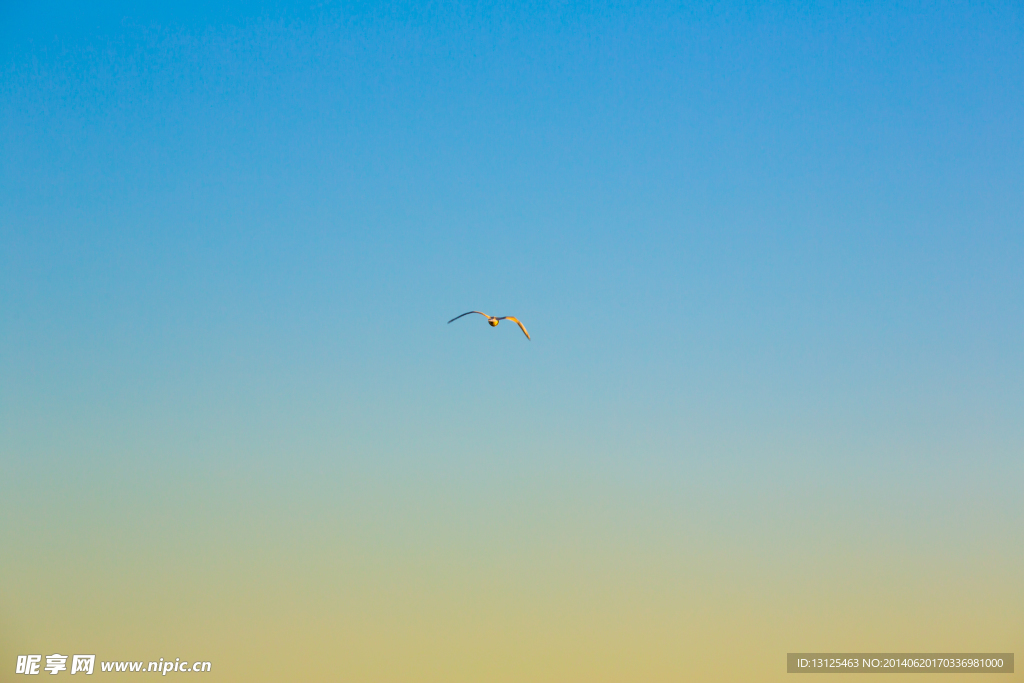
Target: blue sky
<point>779,191</point>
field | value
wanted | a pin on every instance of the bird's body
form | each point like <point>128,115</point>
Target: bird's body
<point>493,321</point>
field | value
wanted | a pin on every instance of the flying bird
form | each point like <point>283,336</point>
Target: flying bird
<point>493,322</point>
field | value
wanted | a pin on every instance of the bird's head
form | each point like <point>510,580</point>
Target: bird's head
<point>493,322</point>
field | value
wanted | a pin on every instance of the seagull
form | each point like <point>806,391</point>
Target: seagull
<point>493,322</point>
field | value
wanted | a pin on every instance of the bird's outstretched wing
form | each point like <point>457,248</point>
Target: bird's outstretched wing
<point>516,321</point>
<point>459,316</point>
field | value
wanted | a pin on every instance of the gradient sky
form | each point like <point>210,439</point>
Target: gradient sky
<point>772,260</point>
